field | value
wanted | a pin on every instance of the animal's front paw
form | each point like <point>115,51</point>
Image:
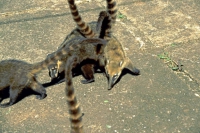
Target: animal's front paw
<point>87,81</point>
<point>40,97</point>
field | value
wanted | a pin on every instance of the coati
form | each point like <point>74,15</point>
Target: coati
<point>56,71</point>
<point>115,59</point>
<point>16,75</point>
<point>83,30</point>
<point>74,108</point>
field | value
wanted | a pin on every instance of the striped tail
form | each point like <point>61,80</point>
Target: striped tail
<point>104,26</point>
<point>82,26</point>
<point>52,58</point>
<point>112,9</point>
<point>101,19</point>
<point>74,109</point>
<point>109,21</point>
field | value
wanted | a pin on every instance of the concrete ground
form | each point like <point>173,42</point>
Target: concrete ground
<point>158,36</point>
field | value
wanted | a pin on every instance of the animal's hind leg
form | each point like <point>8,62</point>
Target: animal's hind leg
<point>37,87</point>
<point>88,72</point>
<point>14,93</point>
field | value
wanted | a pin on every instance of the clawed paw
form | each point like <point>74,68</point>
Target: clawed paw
<point>40,97</point>
<point>87,81</point>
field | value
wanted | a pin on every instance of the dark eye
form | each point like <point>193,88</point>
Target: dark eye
<point>115,76</point>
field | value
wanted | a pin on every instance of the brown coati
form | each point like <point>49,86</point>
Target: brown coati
<point>93,29</point>
<point>16,75</point>
<point>114,52</point>
<point>74,108</point>
<point>116,61</point>
<point>56,71</point>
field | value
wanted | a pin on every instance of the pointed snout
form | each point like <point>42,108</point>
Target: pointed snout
<point>111,82</point>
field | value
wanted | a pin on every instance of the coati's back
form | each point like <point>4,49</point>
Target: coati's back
<point>12,69</point>
<point>14,78</point>
<point>77,33</point>
<point>86,50</point>
<point>114,49</point>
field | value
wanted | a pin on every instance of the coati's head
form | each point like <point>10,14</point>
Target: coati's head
<point>114,68</point>
<point>53,71</point>
<point>113,71</point>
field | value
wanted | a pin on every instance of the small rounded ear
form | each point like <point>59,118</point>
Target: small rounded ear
<point>59,63</point>
<point>121,62</point>
<point>107,61</point>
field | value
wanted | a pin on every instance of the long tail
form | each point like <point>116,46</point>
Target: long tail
<point>74,108</point>
<point>109,19</point>
<point>82,26</point>
<point>85,28</point>
<point>62,52</point>
<point>106,25</point>
<point>102,16</point>
<point>112,9</point>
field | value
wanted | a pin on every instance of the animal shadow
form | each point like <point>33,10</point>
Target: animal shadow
<point>4,95</point>
<point>124,72</point>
